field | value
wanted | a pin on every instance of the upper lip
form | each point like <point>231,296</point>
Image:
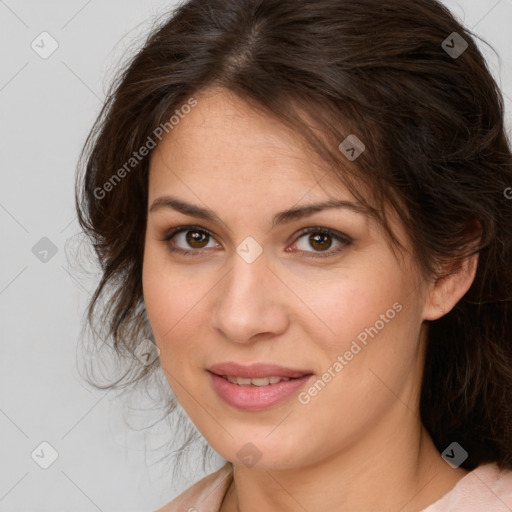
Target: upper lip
<point>256,370</point>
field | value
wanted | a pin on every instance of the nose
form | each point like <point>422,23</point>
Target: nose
<point>249,304</point>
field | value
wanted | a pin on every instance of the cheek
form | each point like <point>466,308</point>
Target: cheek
<point>173,300</point>
<point>365,331</point>
<point>373,351</point>
<point>167,303</point>
<point>162,296</point>
<point>342,308</point>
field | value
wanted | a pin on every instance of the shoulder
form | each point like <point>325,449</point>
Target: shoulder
<point>205,495</point>
<point>485,488</point>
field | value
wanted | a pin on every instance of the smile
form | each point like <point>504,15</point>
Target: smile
<point>262,381</point>
<point>255,394</point>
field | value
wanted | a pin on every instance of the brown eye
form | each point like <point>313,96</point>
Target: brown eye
<point>321,240</point>
<point>189,240</point>
<point>196,239</point>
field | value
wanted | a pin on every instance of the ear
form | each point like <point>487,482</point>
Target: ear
<point>446,291</point>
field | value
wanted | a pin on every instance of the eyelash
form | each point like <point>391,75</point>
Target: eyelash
<point>346,241</point>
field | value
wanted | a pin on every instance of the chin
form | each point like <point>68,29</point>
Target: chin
<point>263,454</point>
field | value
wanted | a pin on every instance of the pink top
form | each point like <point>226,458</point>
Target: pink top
<point>485,489</point>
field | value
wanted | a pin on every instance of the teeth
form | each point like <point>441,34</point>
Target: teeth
<point>263,381</point>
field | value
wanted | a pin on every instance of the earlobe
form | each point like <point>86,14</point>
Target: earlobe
<point>446,291</point>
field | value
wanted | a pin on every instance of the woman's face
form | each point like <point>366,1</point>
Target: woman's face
<point>261,287</point>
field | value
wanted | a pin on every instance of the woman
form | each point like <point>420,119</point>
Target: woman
<point>307,201</point>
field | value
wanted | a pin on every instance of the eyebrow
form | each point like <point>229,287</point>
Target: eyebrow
<point>279,218</point>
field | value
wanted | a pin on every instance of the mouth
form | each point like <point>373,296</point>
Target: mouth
<point>259,382</point>
<point>257,386</point>
<point>257,374</point>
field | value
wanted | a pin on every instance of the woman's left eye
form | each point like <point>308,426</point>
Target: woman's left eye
<point>320,239</point>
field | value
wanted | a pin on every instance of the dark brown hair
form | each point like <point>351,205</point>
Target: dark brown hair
<point>436,152</point>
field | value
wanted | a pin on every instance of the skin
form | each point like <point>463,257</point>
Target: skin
<point>358,445</point>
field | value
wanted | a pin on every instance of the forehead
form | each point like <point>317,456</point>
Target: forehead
<point>224,140</point>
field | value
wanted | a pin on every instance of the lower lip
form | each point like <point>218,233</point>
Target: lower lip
<point>255,398</point>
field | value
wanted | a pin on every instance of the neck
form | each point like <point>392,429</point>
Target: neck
<point>389,474</point>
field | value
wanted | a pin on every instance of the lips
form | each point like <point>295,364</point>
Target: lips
<point>256,386</point>
<point>256,398</point>
<point>256,371</point>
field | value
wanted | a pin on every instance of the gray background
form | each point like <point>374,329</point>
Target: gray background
<point>47,107</point>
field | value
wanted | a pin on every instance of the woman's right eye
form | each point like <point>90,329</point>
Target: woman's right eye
<point>188,240</point>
